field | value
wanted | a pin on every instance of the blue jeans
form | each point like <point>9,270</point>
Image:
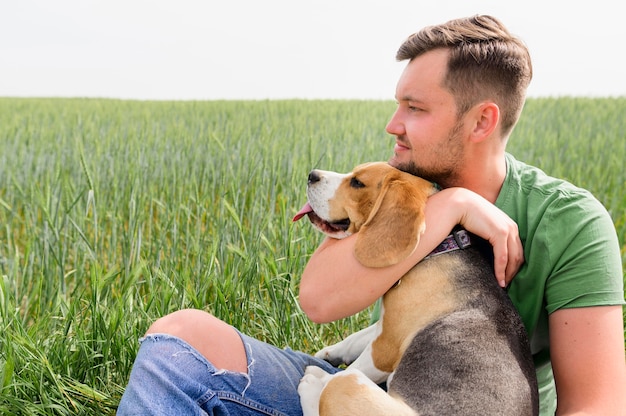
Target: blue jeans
<point>169,377</point>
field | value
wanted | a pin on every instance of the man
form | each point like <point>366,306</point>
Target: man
<point>458,100</point>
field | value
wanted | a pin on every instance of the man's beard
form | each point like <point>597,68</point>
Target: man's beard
<point>449,157</point>
<point>439,176</point>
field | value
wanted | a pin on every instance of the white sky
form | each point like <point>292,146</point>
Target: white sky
<point>258,49</point>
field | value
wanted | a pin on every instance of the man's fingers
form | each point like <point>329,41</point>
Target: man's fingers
<point>516,259</point>
<point>501,261</point>
<point>508,256</point>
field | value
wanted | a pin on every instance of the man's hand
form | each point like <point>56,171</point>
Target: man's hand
<point>484,219</point>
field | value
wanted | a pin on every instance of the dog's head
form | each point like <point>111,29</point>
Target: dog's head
<point>383,204</point>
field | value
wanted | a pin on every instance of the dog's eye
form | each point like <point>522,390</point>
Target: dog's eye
<point>355,183</point>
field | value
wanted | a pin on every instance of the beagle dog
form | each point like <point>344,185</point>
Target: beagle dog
<point>449,340</point>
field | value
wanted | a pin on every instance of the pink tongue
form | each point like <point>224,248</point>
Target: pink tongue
<point>303,211</point>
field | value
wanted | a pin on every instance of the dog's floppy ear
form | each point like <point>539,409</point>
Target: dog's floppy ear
<point>393,228</point>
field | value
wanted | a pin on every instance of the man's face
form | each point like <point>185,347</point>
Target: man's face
<point>429,136</point>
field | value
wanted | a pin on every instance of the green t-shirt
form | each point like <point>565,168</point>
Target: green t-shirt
<point>572,257</point>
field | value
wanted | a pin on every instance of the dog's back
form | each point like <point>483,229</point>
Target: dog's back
<point>475,359</point>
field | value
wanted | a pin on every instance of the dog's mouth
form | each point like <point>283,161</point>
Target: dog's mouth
<point>336,229</point>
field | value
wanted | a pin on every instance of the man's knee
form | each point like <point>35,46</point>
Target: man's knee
<point>219,342</point>
<point>182,323</point>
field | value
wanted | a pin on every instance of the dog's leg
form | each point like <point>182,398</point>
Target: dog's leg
<point>365,364</point>
<point>350,393</point>
<point>347,351</point>
<point>346,393</point>
<point>356,351</point>
<point>310,389</point>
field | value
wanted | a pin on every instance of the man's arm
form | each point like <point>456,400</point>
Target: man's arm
<point>335,285</point>
<point>587,353</point>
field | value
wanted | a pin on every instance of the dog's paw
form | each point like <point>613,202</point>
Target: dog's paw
<point>310,389</point>
<point>330,354</point>
<point>323,354</point>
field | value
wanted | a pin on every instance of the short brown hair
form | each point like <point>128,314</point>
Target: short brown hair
<point>485,62</point>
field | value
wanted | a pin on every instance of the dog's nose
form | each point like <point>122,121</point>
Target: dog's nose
<point>314,176</point>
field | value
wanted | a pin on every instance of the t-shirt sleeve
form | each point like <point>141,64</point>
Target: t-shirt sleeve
<point>583,247</point>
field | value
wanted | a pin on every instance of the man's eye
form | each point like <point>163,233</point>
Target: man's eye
<point>355,183</point>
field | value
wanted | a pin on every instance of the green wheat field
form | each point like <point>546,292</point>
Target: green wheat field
<point>114,213</point>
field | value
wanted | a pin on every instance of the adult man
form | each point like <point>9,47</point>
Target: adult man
<point>458,100</point>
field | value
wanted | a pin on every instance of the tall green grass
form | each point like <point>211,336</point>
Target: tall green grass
<point>113,213</point>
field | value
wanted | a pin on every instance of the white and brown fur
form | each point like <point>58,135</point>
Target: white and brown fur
<point>449,341</point>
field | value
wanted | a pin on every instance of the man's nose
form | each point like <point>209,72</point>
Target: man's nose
<point>395,126</point>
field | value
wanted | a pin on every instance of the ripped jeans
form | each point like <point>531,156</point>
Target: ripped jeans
<point>169,377</point>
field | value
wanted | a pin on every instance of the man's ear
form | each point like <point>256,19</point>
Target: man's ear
<point>486,117</point>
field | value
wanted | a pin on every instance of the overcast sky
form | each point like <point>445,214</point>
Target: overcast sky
<point>258,49</point>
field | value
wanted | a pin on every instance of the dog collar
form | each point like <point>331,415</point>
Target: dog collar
<point>458,240</point>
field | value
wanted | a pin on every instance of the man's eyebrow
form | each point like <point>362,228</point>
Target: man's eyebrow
<point>409,98</point>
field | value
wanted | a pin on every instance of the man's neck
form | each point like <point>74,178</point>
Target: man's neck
<point>485,177</point>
